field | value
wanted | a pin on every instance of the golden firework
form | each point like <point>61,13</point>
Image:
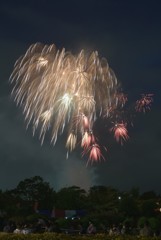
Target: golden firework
<point>57,89</point>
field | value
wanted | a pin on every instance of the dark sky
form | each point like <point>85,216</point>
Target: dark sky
<point>128,35</point>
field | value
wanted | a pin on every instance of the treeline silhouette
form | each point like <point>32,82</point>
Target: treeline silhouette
<point>34,199</point>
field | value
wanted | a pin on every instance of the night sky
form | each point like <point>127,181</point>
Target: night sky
<point>128,35</point>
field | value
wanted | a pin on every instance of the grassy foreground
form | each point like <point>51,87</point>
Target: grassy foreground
<point>54,236</point>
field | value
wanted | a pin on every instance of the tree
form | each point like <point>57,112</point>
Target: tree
<point>106,197</point>
<point>148,195</point>
<point>7,204</point>
<point>148,208</point>
<point>71,198</point>
<point>33,191</point>
<point>103,203</point>
<point>128,206</point>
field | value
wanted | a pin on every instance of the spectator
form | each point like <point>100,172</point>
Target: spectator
<point>91,229</point>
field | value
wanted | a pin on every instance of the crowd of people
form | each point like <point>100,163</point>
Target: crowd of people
<point>41,226</point>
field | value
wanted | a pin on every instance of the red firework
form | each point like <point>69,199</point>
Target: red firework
<point>95,154</point>
<point>144,104</point>
<point>120,132</point>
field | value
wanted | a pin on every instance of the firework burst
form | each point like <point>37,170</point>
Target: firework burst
<point>144,103</point>
<point>57,89</point>
<point>120,132</point>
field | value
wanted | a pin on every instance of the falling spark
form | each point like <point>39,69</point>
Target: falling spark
<point>71,142</point>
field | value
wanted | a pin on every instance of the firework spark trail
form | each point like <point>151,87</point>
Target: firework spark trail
<point>57,89</point>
